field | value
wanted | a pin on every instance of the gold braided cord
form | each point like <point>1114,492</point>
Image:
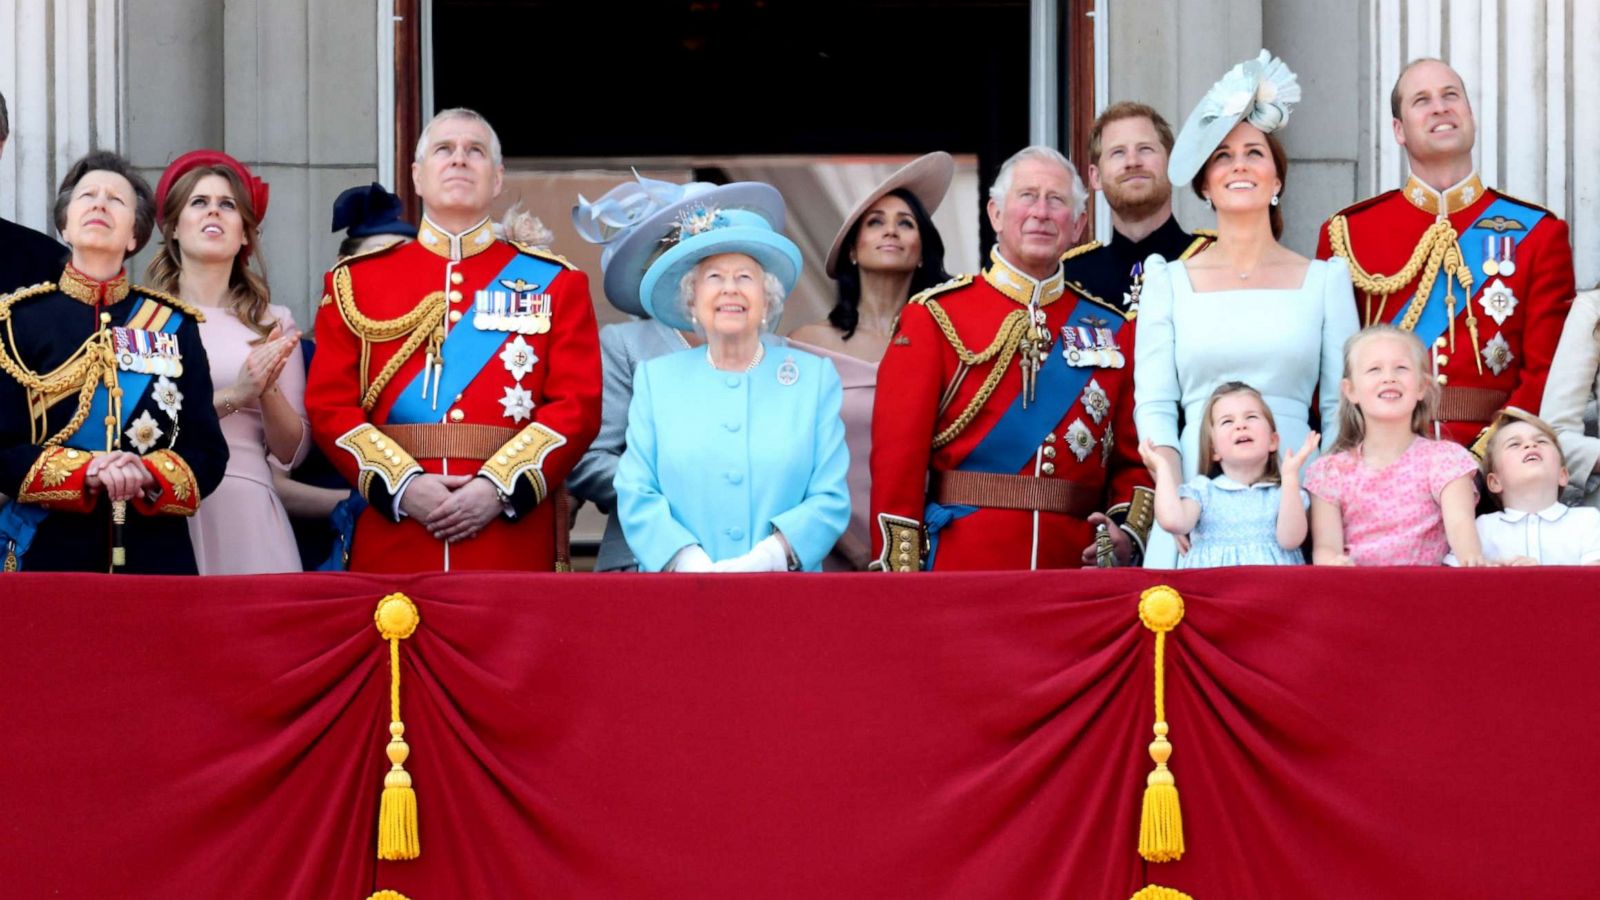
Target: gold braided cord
<point>1437,249</point>
<point>1002,350</point>
<point>417,326</point>
<point>90,365</point>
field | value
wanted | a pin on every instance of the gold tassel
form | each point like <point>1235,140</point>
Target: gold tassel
<point>397,619</point>
<point>396,895</point>
<point>1157,892</point>
<point>1161,822</point>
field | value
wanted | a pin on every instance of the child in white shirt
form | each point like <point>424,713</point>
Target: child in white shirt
<point>1525,469</point>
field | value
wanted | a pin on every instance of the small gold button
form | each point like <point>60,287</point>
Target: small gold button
<point>72,454</point>
<point>378,442</point>
<point>1444,379</point>
<point>1050,438</point>
<point>501,459</point>
<point>457,415</point>
<point>1049,453</point>
<point>456,278</point>
<point>455,316</point>
<point>1049,468</point>
<point>455,296</point>
<point>170,466</point>
<point>1442,360</point>
<point>389,455</point>
<point>375,437</point>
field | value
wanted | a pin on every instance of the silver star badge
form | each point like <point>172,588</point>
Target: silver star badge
<point>1497,354</point>
<point>518,357</point>
<point>144,432</point>
<point>168,397</point>
<point>1080,440</point>
<point>1498,301</point>
<point>1095,401</point>
<point>518,403</point>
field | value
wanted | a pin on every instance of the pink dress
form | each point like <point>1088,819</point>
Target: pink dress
<point>241,528</point>
<point>1391,514</point>
<point>860,381</point>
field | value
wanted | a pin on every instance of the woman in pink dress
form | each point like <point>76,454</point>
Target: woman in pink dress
<point>886,252</point>
<point>209,207</point>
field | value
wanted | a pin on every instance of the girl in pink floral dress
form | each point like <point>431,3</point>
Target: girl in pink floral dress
<point>1386,494</point>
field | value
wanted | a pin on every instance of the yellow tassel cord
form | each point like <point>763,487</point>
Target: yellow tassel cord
<point>396,895</point>
<point>1157,892</point>
<point>1161,823</point>
<point>397,619</point>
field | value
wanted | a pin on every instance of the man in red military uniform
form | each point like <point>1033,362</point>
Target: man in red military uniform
<point>1004,430</point>
<point>457,376</point>
<point>1483,278</point>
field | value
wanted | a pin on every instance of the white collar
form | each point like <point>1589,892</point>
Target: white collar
<point>1552,513</point>
<point>1228,484</point>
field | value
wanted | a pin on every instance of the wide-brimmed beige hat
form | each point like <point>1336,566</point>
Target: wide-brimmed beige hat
<point>926,177</point>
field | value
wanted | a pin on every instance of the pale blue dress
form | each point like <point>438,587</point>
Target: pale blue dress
<point>722,459</point>
<point>1284,343</point>
<point>1238,524</point>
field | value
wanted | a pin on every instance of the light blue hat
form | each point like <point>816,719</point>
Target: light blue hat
<point>705,230</point>
<point>631,220</point>
<point>1260,91</point>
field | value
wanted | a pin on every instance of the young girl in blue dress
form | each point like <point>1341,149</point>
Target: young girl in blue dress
<point>1247,509</point>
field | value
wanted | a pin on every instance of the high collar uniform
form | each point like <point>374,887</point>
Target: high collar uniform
<point>1109,272</point>
<point>948,454</point>
<point>1499,350</point>
<point>456,354</point>
<point>74,353</point>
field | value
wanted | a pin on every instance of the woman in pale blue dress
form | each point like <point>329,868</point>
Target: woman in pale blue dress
<point>1248,308</point>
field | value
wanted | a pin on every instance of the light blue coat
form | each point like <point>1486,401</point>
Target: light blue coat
<point>720,459</point>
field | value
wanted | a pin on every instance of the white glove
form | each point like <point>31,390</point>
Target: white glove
<point>691,559</point>
<point>768,555</point>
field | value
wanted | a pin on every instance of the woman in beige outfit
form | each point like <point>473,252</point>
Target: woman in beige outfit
<point>1569,396</point>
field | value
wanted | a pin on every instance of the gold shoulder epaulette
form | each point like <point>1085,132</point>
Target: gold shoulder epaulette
<point>942,288</point>
<point>541,253</point>
<point>1080,250</point>
<point>6,300</point>
<point>174,302</point>
<point>364,254</point>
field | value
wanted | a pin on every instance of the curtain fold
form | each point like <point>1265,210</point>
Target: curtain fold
<point>1374,734</point>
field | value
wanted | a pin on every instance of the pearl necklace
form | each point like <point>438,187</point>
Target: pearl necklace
<point>761,352</point>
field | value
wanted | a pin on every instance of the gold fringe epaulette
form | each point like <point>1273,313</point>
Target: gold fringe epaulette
<point>20,294</point>
<point>541,253</point>
<point>367,254</point>
<point>959,281</point>
<point>1080,250</point>
<point>179,305</point>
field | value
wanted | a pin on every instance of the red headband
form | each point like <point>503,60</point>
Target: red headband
<point>196,159</point>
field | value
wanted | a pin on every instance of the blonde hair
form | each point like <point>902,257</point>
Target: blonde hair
<point>1274,470</point>
<point>1352,425</point>
<point>1511,416</point>
<point>248,296</point>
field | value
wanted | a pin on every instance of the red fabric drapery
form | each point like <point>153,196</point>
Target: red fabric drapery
<point>1370,734</point>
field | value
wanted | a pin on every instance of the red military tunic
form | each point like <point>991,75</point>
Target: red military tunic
<point>1518,317</point>
<point>932,413</point>
<point>523,419</point>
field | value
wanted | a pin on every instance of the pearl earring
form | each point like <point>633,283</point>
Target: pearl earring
<point>1208,204</point>
<point>1274,199</point>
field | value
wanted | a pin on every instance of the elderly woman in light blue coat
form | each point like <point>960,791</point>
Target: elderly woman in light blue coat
<point>735,458</point>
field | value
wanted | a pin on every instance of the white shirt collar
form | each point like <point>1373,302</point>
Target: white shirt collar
<point>1551,513</point>
<point>1228,484</point>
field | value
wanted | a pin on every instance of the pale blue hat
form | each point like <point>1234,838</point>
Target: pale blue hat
<point>632,220</point>
<point>705,230</point>
<point>1260,91</point>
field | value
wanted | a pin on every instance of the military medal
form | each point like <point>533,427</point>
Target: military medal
<point>518,403</point>
<point>1130,298</point>
<point>1498,301</point>
<point>1095,401</point>
<point>168,397</point>
<point>518,357</point>
<point>1080,440</point>
<point>1497,354</point>
<point>144,432</point>
<point>788,372</point>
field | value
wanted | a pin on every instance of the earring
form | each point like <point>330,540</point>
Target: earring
<point>1208,204</point>
<point>852,259</point>
<point>1274,199</point>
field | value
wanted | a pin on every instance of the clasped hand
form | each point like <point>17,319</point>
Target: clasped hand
<point>120,474</point>
<point>452,507</point>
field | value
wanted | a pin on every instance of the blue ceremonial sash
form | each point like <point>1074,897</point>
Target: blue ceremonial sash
<point>20,521</point>
<point>1434,320</point>
<point>1012,441</point>
<point>467,349</point>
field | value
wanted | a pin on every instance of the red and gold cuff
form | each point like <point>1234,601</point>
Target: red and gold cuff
<point>57,480</point>
<point>177,494</point>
